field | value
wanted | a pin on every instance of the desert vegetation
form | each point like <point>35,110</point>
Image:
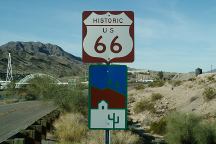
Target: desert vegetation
<point>211,78</point>
<point>157,83</point>
<point>67,97</point>
<point>181,128</point>
<point>177,83</point>
<point>72,128</point>
<point>182,111</point>
<point>151,99</point>
<point>189,129</point>
<point>156,96</point>
<point>158,127</point>
<point>209,93</point>
<point>140,86</point>
<point>144,105</point>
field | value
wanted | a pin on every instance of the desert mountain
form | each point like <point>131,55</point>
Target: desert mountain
<point>34,57</point>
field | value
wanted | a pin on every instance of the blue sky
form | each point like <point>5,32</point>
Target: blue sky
<point>170,35</point>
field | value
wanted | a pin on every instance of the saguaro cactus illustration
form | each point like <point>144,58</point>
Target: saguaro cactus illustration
<point>113,118</point>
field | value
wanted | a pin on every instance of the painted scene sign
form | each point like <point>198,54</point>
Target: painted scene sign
<point>108,36</point>
<point>108,97</point>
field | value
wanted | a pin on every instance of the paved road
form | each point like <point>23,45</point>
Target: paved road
<point>18,116</point>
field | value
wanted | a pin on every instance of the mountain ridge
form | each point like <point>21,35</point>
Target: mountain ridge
<point>34,57</point>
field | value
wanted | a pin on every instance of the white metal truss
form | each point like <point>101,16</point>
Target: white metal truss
<point>9,77</point>
<point>28,78</point>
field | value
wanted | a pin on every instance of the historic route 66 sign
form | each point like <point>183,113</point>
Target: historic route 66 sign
<point>108,36</point>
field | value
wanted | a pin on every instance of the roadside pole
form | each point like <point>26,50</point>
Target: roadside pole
<point>107,136</point>
<point>107,37</point>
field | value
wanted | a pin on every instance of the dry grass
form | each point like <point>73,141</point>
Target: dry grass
<point>125,137</point>
<point>71,128</point>
<point>95,137</point>
<point>143,105</point>
<point>156,96</point>
<point>211,78</point>
<point>140,87</point>
<point>159,83</point>
<point>159,127</point>
<point>117,137</point>
<point>209,93</point>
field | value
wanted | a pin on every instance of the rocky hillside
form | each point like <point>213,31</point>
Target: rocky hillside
<point>197,95</point>
<point>33,57</point>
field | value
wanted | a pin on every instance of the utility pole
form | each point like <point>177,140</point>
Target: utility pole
<point>9,77</point>
<point>211,68</point>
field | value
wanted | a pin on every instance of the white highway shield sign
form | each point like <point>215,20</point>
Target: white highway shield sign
<point>108,36</point>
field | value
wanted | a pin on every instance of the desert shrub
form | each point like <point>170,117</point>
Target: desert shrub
<point>144,105</point>
<point>66,97</point>
<point>10,90</point>
<point>118,137</point>
<point>191,79</point>
<point>39,88</point>
<point>156,96</point>
<point>125,137</point>
<point>177,83</point>
<point>211,78</point>
<point>189,129</point>
<point>190,86</point>
<point>158,83</point>
<point>160,75</point>
<point>201,82</point>
<point>95,137</point>
<point>72,100</point>
<point>70,128</point>
<point>181,128</point>
<point>30,97</point>
<point>209,93</point>
<point>140,87</point>
<point>131,99</point>
<point>159,127</point>
<point>206,133</point>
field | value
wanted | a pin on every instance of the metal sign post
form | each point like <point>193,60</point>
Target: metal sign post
<point>107,37</point>
<point>107,137</point>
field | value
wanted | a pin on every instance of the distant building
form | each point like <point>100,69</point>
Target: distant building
<point>198,71</point>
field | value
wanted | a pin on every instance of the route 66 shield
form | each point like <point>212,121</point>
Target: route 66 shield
<point>108,36</point>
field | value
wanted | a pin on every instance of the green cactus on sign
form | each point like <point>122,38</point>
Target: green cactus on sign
<point>113,118</point>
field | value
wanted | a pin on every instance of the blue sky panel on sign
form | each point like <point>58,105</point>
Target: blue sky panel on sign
<point>113,77</point>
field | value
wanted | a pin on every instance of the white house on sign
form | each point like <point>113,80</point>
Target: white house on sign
<point>102,117</point>
<point>103,105</point>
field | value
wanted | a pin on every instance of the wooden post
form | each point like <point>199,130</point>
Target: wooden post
<point>38,132</point>
<point>19,141</point>
<point>44,125</point>
<point>29,135</point>
<point>15,141</point>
